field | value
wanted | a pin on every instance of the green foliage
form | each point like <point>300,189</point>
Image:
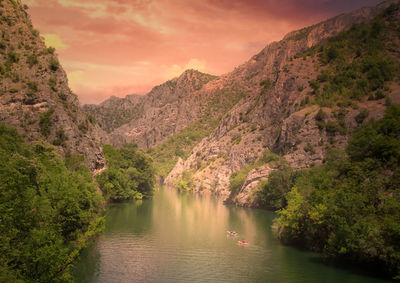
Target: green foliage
<point>32,60</point>
<point>63,97</point>
<point>237,179</point>
<point>272,193</point>
<point>130,174</point>
<point>320,116</point>
<point>349,208</point>
<point>50,50</point>
<point>54,65</point>
<point>185,182</point>
<point>32,86</point>
<point>269,156</point>
<point>83,127</point>
<point>309,148</point>
<point>46,122</point>
<point>357,62</point>
<point>12,57</point>
<point>52,84</point>
<point>364,113</point>
<point>315,85</point>
<point>60,138</point>
<point>180,145</point>
<point>266,84</point>
<point>47,211</point>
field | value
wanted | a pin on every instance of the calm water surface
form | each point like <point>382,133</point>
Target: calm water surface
<point>182,238</point>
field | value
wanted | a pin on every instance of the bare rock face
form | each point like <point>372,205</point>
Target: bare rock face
<point>115,112</point>
<point>175,173</point>
<point>258,107</point>
<point>34,93</point>
<point>148,120</point>
<point>269,117</point>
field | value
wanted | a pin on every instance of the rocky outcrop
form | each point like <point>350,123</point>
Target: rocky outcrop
<point>34,93</point>
<point>245,197</point>
<point>259,107</point>
<point>150,119</point>
<point>115,111</point>
<point>271,116</point>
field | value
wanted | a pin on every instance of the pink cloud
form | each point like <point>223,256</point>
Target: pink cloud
<point>119,35</point>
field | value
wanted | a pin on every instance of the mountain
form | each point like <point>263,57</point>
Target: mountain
<point>140,118</point>
<point>115,112</point>
<point>294,100</point>
<point>34,93</point>
<point>287,84</point>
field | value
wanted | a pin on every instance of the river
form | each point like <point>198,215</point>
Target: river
<point>179,237</point>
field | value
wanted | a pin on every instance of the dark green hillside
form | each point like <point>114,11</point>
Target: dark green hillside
<point>350,207</point>
<point>48,209</point>
<point>358,63</point>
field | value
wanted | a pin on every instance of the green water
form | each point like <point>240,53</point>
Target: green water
<point>182,238</point>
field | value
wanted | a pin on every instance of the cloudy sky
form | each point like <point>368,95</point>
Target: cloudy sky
<point>119,47</point>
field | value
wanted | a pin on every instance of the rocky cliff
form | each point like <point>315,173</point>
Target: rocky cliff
<point>150,119</point>
<point>278,114</point>
<point>296,98</point>
<point>34,93</point>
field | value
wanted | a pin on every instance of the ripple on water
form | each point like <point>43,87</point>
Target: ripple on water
<point>182,238</point>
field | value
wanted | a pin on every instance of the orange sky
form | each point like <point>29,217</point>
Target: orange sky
<point>120,47</point>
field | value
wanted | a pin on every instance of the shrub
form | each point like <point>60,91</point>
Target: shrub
<point>315,85</point>
<point>54,65</point>
<point>320,116</point>
<point>32,60</point>
<point>46,122</point>
<point>364,113</point>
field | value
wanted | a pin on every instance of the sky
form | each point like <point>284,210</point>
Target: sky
<point>119,47</point>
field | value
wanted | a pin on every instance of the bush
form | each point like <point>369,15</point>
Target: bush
<point>12,57</point>
<point>54,65</point>
<point>364,113</point>
<point>315,85</point>
<point>320,116</point>
<point>46,122</point>
<point>130,174</point>
<point>32,60</point>
<point>272,193</point>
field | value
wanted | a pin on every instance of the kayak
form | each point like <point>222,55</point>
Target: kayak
<point>232,233</point>
<point>243,243</point>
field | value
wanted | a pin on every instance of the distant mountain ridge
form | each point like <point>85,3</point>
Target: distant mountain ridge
<point>116,112</point>
<point>268,104</point>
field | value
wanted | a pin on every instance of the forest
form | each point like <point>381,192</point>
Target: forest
<point>348,208</point>
<point>50,206</point>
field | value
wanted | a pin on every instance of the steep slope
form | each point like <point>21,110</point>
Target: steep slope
<point>286,89</point>
<point>34,93</point>
<point>115,112</point>
<point>135,118</point>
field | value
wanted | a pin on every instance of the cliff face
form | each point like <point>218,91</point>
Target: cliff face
<point>34,93</point>
<point>276,114</point>
<point>115,112</point>
<point>268,104</point>
<point>150,119</point>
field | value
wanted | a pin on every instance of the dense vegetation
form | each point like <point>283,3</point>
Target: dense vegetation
<point>357,63</point>
<point>349,207</point>
<point>130,174</point>
<point>48,208</point>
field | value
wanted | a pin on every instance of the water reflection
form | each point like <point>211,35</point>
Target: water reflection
<point>182,238</point>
